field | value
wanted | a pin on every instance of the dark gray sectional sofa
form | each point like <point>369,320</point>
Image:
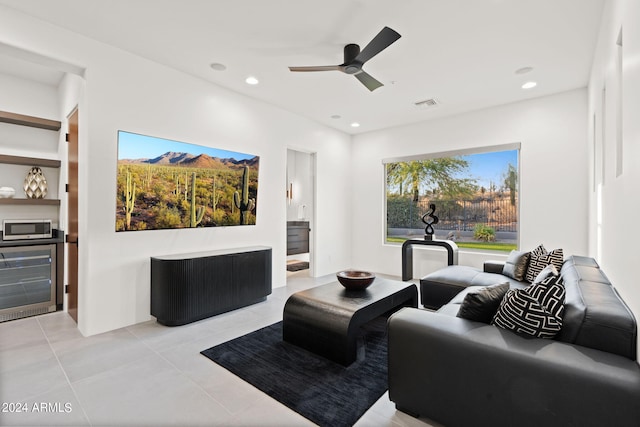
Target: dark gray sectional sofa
<point>459,372</point>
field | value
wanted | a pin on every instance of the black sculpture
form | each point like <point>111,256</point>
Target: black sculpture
<point>430,219</point>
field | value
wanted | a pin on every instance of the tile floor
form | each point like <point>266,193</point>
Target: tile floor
<point>146,374</point>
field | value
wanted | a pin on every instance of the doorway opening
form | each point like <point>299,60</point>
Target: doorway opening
<point>301,189</point>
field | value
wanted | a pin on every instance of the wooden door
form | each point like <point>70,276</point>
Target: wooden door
<point>72,226</point>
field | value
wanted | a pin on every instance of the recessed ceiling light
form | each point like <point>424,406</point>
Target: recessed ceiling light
<point>336,116</point>
<point>218,66</point>
<point>251,80</point>
<point>524,70</point>
<point>529,85</point>
<point>355,125</point>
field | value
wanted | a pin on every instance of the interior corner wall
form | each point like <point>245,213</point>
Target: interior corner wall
<point>613,221</point>
<point>125,92</point>
<point>552,131</point>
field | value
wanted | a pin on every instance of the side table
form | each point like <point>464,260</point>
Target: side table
<point>407,254</point>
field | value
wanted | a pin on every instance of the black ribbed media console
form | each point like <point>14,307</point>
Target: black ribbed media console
<point>190,287</point>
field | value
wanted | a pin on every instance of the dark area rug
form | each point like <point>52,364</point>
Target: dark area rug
<point>320,390</point>
<point>297,266</point>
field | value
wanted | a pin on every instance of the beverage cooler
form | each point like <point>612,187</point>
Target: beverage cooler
<point>27,281</point>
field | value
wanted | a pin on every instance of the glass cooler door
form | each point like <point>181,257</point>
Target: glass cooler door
<point>27,281</point>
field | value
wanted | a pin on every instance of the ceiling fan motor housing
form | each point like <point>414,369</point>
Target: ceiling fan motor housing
<point>351,51</point>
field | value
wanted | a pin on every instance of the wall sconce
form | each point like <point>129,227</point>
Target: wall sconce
<point>290,193</point>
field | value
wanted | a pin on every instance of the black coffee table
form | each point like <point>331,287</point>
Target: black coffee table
<point>326,319</point>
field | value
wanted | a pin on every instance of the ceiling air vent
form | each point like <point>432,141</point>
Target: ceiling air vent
<point>427,103</point>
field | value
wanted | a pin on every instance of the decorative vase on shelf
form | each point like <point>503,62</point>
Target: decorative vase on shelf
<point>35,184</point>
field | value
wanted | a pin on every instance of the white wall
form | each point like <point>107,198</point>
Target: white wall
<point>553,165</point>
<point>620,202</point>
<point>125,92</point>
<point>27,97</point>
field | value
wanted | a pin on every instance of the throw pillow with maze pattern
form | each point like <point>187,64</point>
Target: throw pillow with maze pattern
<point>540,258</point>
<point>536,310</point>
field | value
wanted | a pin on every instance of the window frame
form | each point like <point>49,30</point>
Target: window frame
<point>514,146</point>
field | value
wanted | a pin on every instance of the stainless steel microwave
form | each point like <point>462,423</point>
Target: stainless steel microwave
<point>21,229</point>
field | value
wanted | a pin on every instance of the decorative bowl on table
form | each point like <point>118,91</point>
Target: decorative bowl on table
<point>7,192</point>
<point>354,280</point>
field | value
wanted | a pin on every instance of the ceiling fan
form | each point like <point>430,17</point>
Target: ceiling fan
<point>354,59</point>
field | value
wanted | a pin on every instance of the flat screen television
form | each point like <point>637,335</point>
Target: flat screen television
<point>165,184</point>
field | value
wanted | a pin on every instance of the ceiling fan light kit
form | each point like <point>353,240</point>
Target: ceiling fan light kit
<point>354,58</point>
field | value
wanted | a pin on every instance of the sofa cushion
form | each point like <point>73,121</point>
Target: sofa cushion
<point>595,316</point>
<point>482,304</point>
<point>536,310</point>
<point>540,258</point>
<point>516,265</point>
<point>438,288</point>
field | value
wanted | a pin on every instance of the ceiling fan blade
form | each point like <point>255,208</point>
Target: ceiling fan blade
<point>366,79</point>
<point>379,43</point>
<point>318,68</point>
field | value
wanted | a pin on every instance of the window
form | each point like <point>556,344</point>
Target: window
<point>619,94</point>
<point>475,193</point>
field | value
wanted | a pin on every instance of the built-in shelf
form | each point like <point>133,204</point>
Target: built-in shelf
<point>29,161</point>
<point>30,121</point>
<point>36,122</point>
<point>24,205</point>
<point>12,201</point>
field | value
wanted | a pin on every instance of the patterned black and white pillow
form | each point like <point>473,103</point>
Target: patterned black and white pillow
<point>540,258</point>
<point>536,310</point>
